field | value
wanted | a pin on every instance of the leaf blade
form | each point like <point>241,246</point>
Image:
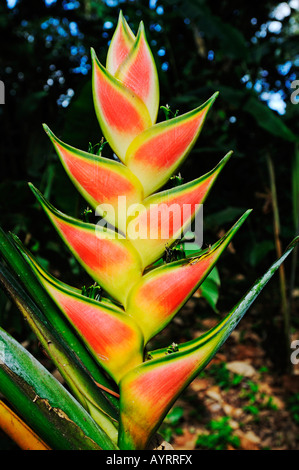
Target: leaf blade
<point>44,403</point>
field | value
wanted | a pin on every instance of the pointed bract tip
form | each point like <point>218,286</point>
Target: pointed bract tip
<point>36,192</point>
<point>49,132</point>
<point>95,59</point>
<point>140,32</point>
<point>141,27</point>
<point>226,157</point>
<point>207,104</point>
<point>93,54</point>
<point>213,97</point>
<point>46,128</point>
<point>244,216</point>
<point>52,136</point>
<point>122,20</point>
<point>292,245</point>
<point>32,187</point>
<point>296,240</point>
<point>237,225</point>
<point>221,164</point>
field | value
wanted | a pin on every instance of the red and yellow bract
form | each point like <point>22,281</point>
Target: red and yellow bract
<point>176,137</point>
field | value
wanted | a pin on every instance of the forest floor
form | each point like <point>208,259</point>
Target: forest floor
<point>239,401</point>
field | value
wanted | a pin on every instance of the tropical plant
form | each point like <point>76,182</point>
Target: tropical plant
<point>116,392</point>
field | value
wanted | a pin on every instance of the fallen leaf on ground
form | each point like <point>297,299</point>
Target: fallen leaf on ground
<point>186,441</point>
<point>214,393</point>
<point>241,368</point>
<point>200,384</point>
<point>248,440</point>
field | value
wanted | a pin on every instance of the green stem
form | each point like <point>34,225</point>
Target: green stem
<point>293,269</point>
<point>295,191</point>
<point>282,276</point>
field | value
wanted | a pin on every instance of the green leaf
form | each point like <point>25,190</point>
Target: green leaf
<point>174,416</point>
<point>263,115</point>
<point>224,216</point>
<point>231,41</point>
<point>44,403</point>
<point>210,289</point>
<point>295,187</point>
<point>259,250</point>
<point>268,120</point>
<point>79,381</point>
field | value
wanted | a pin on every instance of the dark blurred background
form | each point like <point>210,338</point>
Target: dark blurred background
<point>246,50</point>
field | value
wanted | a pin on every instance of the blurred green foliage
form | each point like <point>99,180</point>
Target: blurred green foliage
<point>293,406</point>
<point>224,378</point>
<point>172,423</point>
<point>246,51</point>
<point>221,436</point>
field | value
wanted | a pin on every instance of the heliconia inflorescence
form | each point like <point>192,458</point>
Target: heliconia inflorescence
<point>139,296</point>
